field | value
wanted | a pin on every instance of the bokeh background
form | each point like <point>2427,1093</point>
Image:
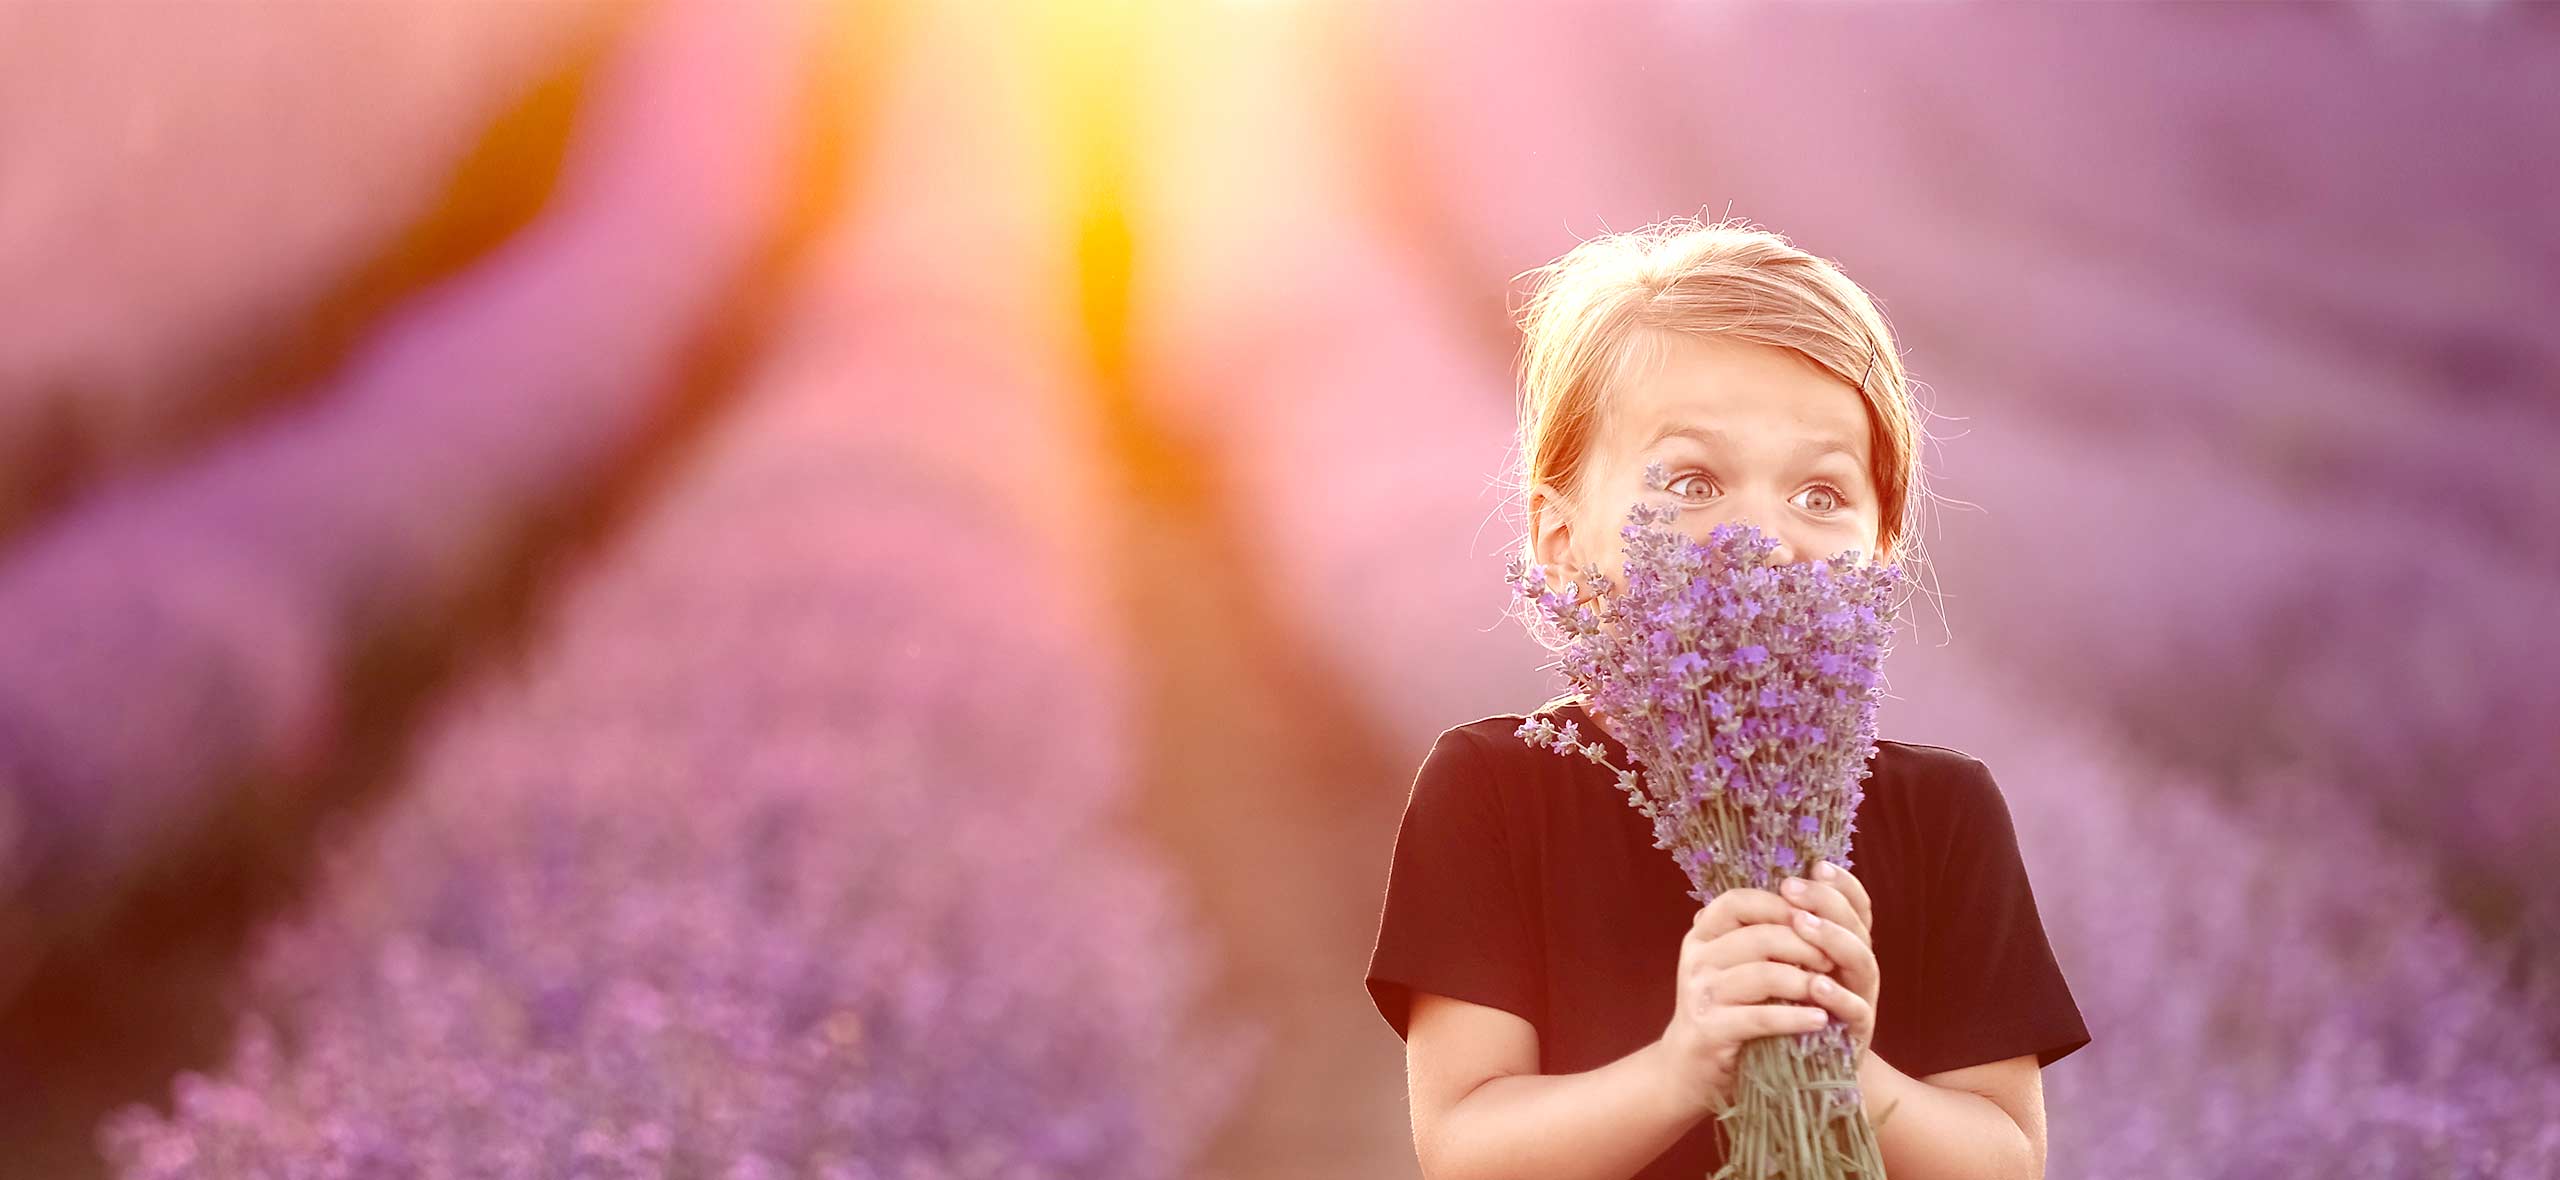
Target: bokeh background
<point>723,587</point>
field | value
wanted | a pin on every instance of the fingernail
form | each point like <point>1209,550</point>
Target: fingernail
<point>1809,922</point>
<point>1822,984</point>
<point>1825,871</point>
<point>1793,888</point>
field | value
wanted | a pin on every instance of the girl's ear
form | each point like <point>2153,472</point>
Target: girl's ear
<point>1551,531</point>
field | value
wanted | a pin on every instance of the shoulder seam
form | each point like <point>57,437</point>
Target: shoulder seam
<point>1489,717</point>
<point>1929,746</point>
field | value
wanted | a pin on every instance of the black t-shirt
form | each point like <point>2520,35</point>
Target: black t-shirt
<point>1522,879</point>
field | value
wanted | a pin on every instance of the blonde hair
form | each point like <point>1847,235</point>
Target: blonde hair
<point>1586,326</point>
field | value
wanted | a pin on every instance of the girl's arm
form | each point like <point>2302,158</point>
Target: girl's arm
<point>1600,1124</point>
<point>1992,1127</point>
<point>1955,1134</point>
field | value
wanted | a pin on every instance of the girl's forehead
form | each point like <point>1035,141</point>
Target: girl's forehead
<point>1723,392</point>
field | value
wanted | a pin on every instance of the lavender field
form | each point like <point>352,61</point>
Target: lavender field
<point>854,589</point>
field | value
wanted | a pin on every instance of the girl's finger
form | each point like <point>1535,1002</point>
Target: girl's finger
<point>1753,983</point>
<point>1765,941</point>
<point>1736,908</point>
<point>1822,899</point>
<point>1850,886</point>
<point>1856,960</point>
<point>1852,1008</point>
<point>1743,1022</point>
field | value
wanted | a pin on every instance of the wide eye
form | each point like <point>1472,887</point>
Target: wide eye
<point>1690,485</point>
<point>1835,501</point>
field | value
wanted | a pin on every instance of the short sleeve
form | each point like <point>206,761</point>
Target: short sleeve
<point>1992,986</point>
<point>1452,922</point>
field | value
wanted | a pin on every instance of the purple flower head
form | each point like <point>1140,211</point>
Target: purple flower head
<point>1746,689</point>
<point>1690,669</point>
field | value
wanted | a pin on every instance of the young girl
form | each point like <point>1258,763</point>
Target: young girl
<point>1568,1012</point>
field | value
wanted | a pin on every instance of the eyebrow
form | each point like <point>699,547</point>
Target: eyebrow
<point>1710,436</point>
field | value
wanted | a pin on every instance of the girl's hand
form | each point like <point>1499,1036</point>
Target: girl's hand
<point>1741,973</point>
<point>1833,913</point>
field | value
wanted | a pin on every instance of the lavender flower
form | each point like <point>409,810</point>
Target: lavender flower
<point>1746,692</point>
<point>773,863</point>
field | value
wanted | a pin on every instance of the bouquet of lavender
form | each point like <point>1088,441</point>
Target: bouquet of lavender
<point>1746,692</point>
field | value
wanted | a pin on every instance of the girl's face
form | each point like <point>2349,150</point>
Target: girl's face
<point>1745,431</point>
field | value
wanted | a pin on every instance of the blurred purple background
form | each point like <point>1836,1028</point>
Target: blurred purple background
<point>645,586</point>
